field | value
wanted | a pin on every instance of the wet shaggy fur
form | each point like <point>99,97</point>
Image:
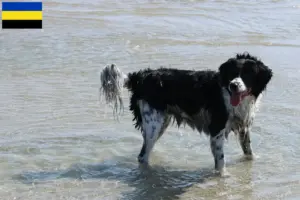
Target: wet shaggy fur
<point>172,90</point>
<point>213,102</point>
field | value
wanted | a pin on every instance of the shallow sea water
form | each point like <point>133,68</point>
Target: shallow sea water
<point>57,141</point>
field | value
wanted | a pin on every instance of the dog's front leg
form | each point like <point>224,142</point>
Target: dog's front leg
<point>217,149</point>
<point>244,137</point>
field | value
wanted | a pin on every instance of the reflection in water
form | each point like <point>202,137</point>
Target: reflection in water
<point>151,182</point>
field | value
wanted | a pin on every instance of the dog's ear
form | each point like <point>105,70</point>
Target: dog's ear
<point>224,70</point>
<point>226,65</point>
<point>263,77</point>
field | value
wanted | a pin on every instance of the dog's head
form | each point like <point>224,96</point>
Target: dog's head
<point>244,75</point>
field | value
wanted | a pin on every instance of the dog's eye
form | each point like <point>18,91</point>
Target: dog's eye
<point>248,71</point>
<point>249,68</point>
<point>233,73</point>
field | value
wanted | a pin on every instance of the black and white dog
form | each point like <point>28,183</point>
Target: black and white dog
<point>213,102</point>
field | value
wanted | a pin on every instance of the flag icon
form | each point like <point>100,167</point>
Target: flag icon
<point>22,15</point>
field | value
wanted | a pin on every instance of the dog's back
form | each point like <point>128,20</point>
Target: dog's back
<point>164,86</point>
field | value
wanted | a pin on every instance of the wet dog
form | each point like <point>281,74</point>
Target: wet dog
<point>213,102</point>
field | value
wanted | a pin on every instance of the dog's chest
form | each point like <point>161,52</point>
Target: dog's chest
<point>243,114</point>
<point>244,111</point>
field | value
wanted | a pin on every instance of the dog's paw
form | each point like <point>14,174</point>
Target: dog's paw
<point>250,157</point>
<point>142,160</point>
<point>223,173</point>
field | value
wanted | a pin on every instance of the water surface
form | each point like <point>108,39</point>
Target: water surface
<point>58,142</point>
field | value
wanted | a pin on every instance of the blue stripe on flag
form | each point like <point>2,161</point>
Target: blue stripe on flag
<point>22,6</point>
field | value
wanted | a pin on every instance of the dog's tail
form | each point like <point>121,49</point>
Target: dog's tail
<point>112,81</point>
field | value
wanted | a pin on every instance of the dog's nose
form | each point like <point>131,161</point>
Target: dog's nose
<point>233,87</point>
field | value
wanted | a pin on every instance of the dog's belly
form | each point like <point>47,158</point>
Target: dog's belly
<point>199,121</point>
<point>202,121</point>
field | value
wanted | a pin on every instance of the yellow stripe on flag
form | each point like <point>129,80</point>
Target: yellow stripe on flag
<point>22,15</point>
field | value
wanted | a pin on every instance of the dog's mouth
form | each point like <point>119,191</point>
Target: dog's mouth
<point>237,97</point>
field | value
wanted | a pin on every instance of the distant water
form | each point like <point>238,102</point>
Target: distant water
<point>58,142</point>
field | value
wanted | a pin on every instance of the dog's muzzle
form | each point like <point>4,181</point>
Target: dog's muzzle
<point>238,91</point>
<point>233,87</point>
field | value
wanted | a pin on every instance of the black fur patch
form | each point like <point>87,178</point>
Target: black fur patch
<point>187,89</point>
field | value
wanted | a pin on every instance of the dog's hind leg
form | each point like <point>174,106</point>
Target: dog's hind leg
<point>244,137</point>
<point>154,123</point>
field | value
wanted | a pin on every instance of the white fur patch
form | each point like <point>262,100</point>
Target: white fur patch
<point>152,127</point>
<point>242,114</point>
<point>217,149</point>
<point>240,84</point>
